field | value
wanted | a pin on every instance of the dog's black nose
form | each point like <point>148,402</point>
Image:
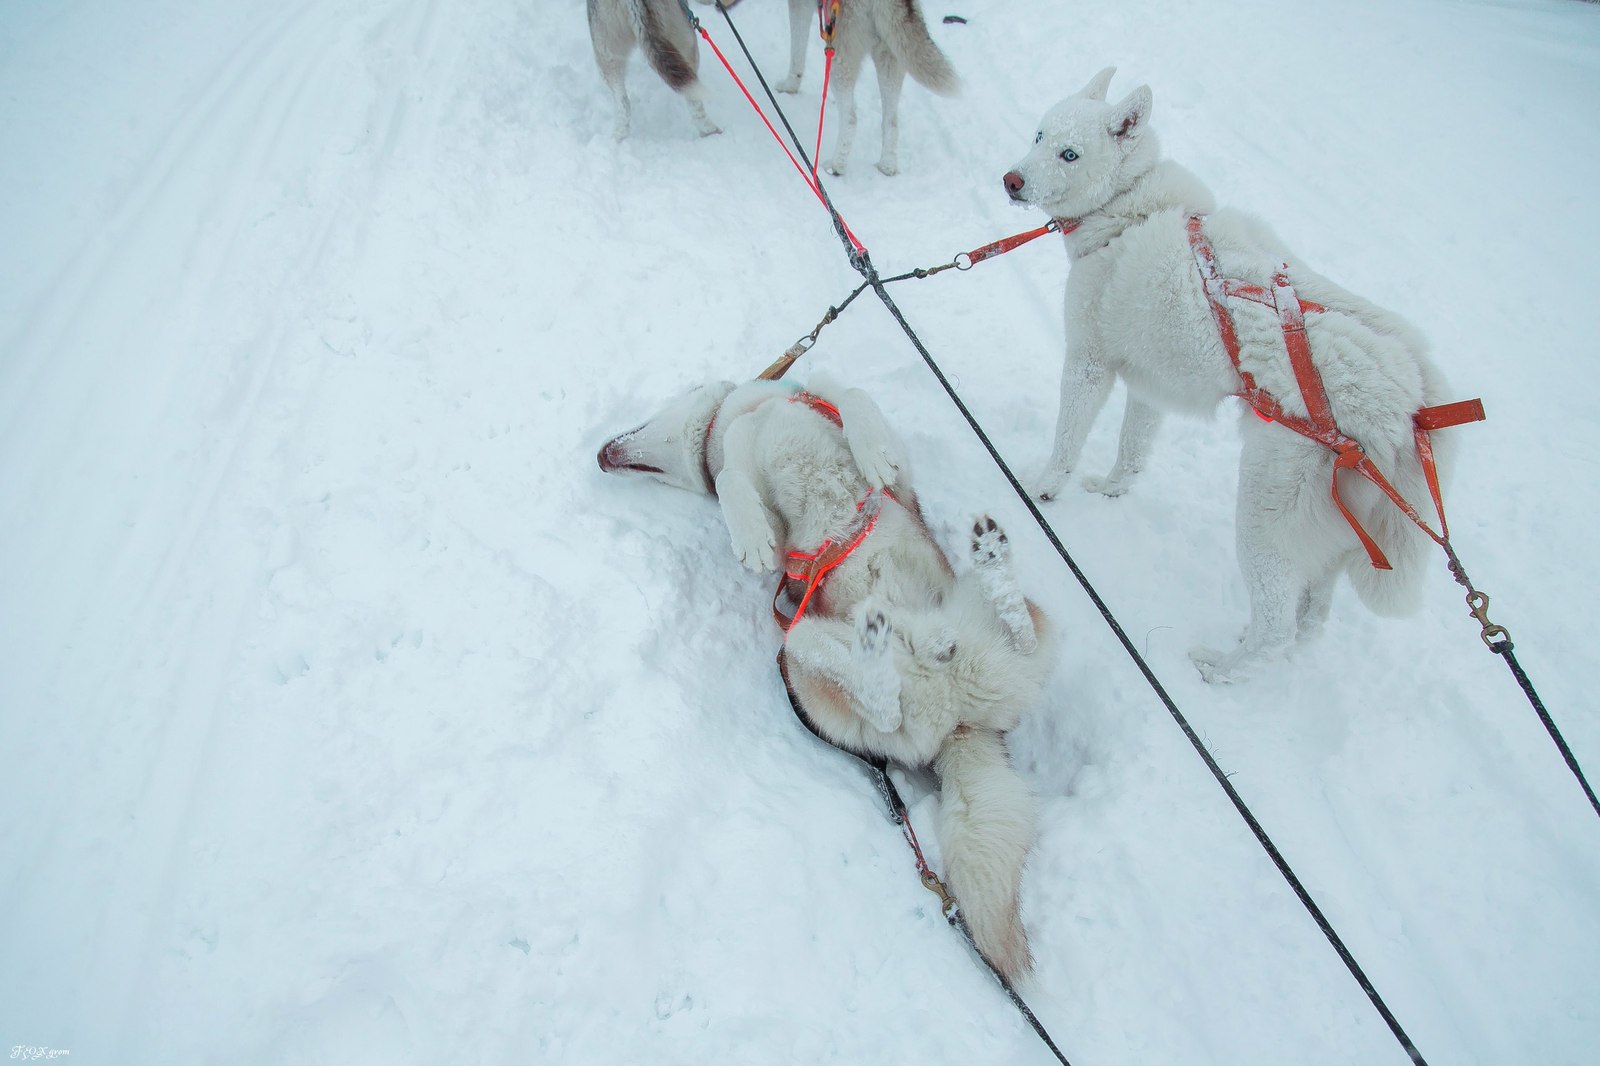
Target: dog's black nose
<point>1013,182</point>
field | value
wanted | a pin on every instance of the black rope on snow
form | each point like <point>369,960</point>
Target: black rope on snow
<point>863,265</point>
<point>1499,641</point>
<point>1504,651</point>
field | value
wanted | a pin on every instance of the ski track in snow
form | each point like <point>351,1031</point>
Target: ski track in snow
<point>351,715</point>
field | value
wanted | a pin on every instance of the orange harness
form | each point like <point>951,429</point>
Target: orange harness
<point>803,575</point>
<point>805,571</point>
<point>1319,424</point>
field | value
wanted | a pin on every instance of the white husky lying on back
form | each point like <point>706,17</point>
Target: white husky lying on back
<point>892,653</point>
<point>1137,310</point>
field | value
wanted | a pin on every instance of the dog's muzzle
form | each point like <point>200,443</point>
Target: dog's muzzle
<point>614,456</point>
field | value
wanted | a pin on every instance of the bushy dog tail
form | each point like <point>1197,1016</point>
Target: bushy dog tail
<point>986,828</point>
<point>667,41</point>
<point>909,39</point>
<point>1398,592</point>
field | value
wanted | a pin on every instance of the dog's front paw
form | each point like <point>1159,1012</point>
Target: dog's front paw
<point>1048,485</point>
<point>888,167</point>
<point>754,543</point>
<point>878,692</point>
<point>1107,486</point>
<point>877,456</point>
<point>1216,667</point>
<point>791,84</point>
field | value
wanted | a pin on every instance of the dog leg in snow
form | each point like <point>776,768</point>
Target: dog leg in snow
<point>877,687</point>
<point>1085,384</point>
<point>1139,423</point>
<point>857,658</point>
<point>1275,594</point>
<point>1315,601</point>
<point>991,561</point>
<point>801,12</point>
<point>846,67</point>
<point>613,39</point>
<point>694,97</point>
<point>876,449</point>
<point>750,524</point>
<point>891,79</point>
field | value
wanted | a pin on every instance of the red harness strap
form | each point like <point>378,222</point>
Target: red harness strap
<point>1319,424</point>
<point>806,570</point>
<point>803,576</point>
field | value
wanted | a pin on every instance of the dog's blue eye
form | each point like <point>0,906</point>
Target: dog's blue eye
<point>1068,155</point>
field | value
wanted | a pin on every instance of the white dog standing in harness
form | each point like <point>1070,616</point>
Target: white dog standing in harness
<point>1188,305</point>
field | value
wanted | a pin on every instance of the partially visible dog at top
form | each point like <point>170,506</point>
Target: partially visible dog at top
<point>895,35</point>
<point>889,651</point>
<point>659,29</point>
<point>1138,311</point>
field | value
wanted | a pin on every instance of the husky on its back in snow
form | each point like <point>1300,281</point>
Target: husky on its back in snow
<point>894,654</point>
<point>894,34</point>
<point>660,30</point>
<point>1137,310</point>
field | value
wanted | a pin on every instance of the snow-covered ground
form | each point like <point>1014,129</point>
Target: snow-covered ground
<point>349,714</point>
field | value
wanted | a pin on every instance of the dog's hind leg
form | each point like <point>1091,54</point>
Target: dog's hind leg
<point>1139,424</point>
<point>991,561</point>
<point>800,15</point>
<point>613,38</point>
<point>1316,599</point>
<point>891,79</point>
<point>859,659</point>
<point>1085,384</point>
<point>846,68</point>
<point>1276,589</point>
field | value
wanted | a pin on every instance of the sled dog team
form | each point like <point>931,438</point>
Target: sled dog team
<point>895,651</point>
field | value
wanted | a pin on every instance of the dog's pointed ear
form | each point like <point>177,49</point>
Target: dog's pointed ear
<point>1129,118</point>
<point>1096,89</point>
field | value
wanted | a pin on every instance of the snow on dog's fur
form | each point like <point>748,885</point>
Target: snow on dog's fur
<point>1136,310</point>
<point>896,655</point>
<point>895,35</point>
<point>660,30</point>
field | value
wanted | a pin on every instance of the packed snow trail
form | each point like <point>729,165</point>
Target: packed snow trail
<point>351,715</point>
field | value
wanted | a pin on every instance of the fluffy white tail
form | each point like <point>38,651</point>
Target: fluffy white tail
<point>986,829</point>
<point>907,35</point>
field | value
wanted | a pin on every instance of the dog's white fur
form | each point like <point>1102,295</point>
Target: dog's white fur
<point>1136,311</point>
<point>895,35</point>
<point>658,28</point>
<point>896,655</point>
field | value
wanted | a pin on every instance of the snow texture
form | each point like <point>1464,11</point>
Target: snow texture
<point>349,714</point>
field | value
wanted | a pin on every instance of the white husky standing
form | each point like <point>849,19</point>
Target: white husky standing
<point>894,654</point>
<point>660,30</point>
<point>1137,310</point>
<point>894,34</point>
